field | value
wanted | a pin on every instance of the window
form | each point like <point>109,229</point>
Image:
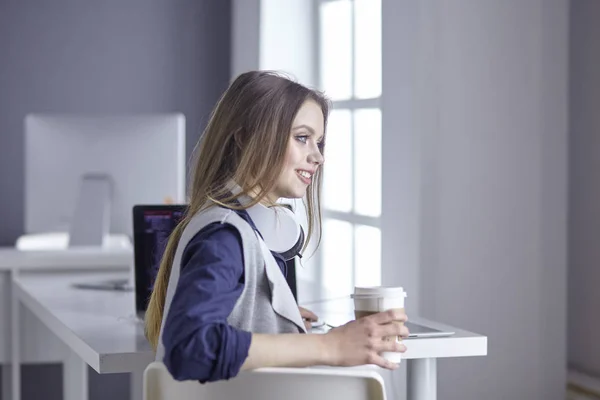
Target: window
<point>349,70</point>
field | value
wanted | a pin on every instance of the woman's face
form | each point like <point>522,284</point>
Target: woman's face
<point>303,155</point>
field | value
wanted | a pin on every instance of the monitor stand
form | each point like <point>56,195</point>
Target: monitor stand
<point>90,224</point>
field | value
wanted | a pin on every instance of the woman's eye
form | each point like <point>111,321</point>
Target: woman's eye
<point>302,138</point>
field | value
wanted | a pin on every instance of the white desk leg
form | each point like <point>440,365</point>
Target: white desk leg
<point>136,381</point>
<point>15,342</point>
<point>422,379</point>
<point>75,378</point>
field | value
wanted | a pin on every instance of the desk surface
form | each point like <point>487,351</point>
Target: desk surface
<point>79,258</point>
<point>462,344</point>
<point>100,326</point>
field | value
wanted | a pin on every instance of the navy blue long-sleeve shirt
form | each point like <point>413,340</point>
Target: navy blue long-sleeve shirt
<point>199,343</point>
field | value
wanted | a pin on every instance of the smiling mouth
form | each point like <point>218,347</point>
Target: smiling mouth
<point>304,176</point>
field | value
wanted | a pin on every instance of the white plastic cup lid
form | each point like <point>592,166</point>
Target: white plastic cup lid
<point>378,292</point>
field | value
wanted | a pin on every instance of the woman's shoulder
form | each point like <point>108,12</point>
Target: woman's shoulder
<point>217,217</point>
<point>217,213</point>
<point>214,239</point>
<point>217,228</point>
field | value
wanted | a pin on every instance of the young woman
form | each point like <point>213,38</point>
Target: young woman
<point>220,302</point>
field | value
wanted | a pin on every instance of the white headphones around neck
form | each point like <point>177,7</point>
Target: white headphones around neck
<point>277,225</point>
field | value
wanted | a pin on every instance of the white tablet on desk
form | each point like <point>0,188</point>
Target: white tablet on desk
<point>421,331</point>
<point>416,331</point>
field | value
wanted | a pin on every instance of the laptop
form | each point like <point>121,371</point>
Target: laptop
<point>152,226</point>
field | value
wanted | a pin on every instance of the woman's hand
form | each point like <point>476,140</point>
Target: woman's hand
<point>308,317</point>
<point>361,342</point>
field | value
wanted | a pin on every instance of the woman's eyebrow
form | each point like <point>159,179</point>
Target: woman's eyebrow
<point>303,126</point>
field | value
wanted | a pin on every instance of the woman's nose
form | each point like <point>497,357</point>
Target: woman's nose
<point>315,157</point>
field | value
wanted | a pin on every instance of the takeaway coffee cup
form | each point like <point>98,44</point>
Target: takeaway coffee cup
<point>371,300</point>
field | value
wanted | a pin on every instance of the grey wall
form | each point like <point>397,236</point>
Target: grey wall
<point>474,219</point>
<point>132,56</point>
<point>584,223</point>
<point>135,56</point>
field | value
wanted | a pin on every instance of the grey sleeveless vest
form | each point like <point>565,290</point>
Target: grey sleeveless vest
<point>266,304</point>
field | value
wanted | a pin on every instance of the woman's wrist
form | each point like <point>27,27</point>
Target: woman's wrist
<point>328,349</point>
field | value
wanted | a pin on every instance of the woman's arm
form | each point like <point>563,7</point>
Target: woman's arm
<point>286,350</point>
<point>199,343</point>
<point>356,343</point>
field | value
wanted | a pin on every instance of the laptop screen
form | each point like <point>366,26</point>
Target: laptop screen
<point>152,225</point>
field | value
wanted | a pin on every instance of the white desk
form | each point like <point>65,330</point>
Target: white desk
<point>98,325</point>
<point>100,328</point>
<point>421,354</point>
<point>36,346</point>
<point>74,259</point>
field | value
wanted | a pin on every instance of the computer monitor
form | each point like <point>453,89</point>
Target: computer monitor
<point>85,173</point>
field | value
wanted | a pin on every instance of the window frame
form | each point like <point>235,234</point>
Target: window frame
<point>352,105</point>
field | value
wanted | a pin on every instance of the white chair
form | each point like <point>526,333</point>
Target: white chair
<point>268,384</point>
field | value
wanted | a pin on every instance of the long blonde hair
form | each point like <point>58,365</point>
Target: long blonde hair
<point>245,141</point>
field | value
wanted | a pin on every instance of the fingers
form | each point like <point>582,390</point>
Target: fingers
<point>378,360</point>
<point>404,332</point>
<point>390,345</point>
<point>365,340</point>
<point>307,325</point>
<point>394,314</point>
<point>307,314</point>
<point>393,329</point>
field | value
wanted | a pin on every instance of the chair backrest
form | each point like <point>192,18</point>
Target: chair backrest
<point>268,384</point>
